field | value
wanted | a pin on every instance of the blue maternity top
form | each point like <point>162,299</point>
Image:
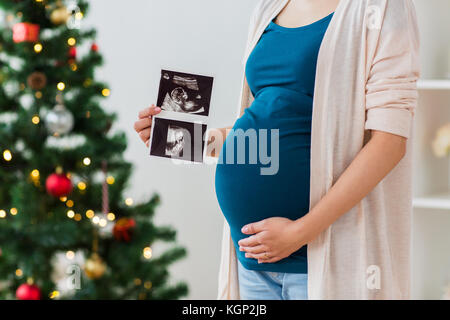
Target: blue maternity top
<point>280,72</point>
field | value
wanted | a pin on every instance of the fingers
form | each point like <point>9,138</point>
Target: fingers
<point>255,249</point>
<point>250,241</point>
<point>259,256</point>
<point>264,257</point>
<point>150,111</point>
<point>271,260</point>
<point>142,124</point>
<point>253,227</point>
<point>144,134</point>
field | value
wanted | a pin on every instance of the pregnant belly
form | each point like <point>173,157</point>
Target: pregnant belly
<point>243,193</point>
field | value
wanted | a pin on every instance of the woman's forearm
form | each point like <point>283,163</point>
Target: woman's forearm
<point>377,158</point>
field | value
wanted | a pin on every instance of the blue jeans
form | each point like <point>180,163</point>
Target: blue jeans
<point>264,285</point>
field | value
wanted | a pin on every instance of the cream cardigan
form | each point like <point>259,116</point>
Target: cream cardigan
<point>366,80</point>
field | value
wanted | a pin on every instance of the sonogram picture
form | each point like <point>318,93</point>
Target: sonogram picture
<point>178,131</point>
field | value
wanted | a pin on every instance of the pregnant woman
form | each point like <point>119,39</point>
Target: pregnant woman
<point>281,73</point>
<point>329,91</point>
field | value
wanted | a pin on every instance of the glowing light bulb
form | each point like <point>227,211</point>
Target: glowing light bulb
<point>13,211</point>
<point>70,214</point>
<point>61,86</point>
<point>106,92</point>
<point>129,201</point>
<point>86,161</point>
<point>2,214</point>
<point>147,252</point>
<point>71,41</point>
<point>35,119</point>
<point>35,174</point>
<point>37,47</point>
<point>90,214</point>
<point>19,272</point>
<point>110,180</point>
<point>69,203</point>
<point>7,155</point>
<point>103,222</point>
<point>81,185</point>
<point>70,255</point>
<point>111,216</point>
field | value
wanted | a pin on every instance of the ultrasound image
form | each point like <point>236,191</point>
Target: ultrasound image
<point>178,140</point>
<point>185,93</point>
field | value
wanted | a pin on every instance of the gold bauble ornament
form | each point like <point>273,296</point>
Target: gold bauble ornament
<point>60,15</point>
<point>94,267</point>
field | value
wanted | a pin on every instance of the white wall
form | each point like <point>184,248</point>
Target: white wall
<point>137,39</point>
<point>435,37</point>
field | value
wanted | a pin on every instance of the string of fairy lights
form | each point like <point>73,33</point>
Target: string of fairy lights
<point>82,186</point>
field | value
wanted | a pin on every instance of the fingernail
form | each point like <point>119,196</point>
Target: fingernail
<point>244,229</point>
<point>157,109</point>
<point>246,255</point>
<point>241,249</point>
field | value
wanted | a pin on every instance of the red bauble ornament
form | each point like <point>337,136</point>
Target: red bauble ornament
<point>94,47</point>
<point>58,185</point>
<point>25,31</point>
<point>72,52</point>
<point>28,292</point>
<point>123,229</point>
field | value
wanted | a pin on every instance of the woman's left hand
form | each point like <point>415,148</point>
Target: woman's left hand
<point>272,239</point>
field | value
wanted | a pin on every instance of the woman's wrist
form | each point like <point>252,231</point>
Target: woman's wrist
<point>308,228</point>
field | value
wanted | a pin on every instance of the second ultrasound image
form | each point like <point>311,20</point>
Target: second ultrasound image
<point>178,140</point>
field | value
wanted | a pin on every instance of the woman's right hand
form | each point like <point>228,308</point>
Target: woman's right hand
<point>143,125</point>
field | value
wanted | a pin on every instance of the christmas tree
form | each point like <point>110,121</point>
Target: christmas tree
<point>62,171</point>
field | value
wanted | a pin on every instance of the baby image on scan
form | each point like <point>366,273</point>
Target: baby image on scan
<point>175,141</point>
<point>185,93</point>
<point>177,101</point>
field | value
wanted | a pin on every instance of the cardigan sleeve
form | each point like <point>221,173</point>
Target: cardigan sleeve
<point>391,88</point>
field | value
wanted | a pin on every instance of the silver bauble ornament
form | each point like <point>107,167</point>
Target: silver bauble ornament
<point>59,121</point>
